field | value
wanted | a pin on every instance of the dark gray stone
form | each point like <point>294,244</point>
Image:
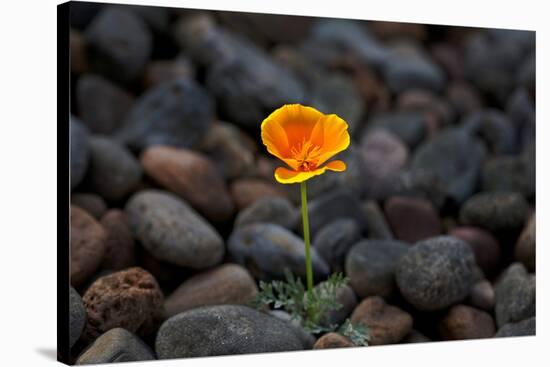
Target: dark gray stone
<point>507,173</point>
<point>453,159</point>
<point>371,264</point>
<point>116,345</point>
<point>307,339</point>
<point>172,231</point>
<point>384,155</point>
<point>92,203</point>
<point>498,211</point>
<point>221,330</point>
<point>245,80</point>
<point>267,249</point>
<point>330,38</point>
<point>114,172</point>
<point>80,151</point>
<point>119,44</point>
<point>355,176</point>
<point>77,316</point>
<point>520,108</point>
<point>409,68</point>
<point>436,273</point>
<point>101,104</point>
<point>408,126</point>
<point>493,58</point>
<point>377,225</point>
<point>176,113</point>
<point>275,210</point>
<point>347,298</point>
<point>334,240</point>
<point>526,327</point>
<point>337,204</point>
<point>494,128</point>
<point>336,93</point>
<point>515,295</point>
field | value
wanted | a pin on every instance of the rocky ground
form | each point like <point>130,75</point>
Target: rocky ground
<point>175,215</point>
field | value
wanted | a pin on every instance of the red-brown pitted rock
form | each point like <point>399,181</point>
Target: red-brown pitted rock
<point>130,299</point>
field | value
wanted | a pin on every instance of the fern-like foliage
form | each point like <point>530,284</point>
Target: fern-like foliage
<point>310,308</point>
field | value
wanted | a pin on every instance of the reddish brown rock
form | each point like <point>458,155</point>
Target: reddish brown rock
<point>332,340</point>
<point>485,247</point>
<point>120,246</point>
<point>465,322</point>
<point>247,190</point>
<point>226,284</point>
<point>87,245</point>
<point>525,250</point>
<point>191,176</point>
<point>386,324</point>
<point>130,299</point>
<point>412,219</point>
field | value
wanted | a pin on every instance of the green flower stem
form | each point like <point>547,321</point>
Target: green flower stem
<point>305,222</point>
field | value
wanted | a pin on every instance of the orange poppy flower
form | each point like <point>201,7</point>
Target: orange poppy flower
<point>304,139</point>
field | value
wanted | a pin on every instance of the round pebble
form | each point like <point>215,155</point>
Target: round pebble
<point>172,231</point>
<point>436,273</point>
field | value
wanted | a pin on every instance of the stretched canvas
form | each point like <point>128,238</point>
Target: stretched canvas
<point>235,183</point>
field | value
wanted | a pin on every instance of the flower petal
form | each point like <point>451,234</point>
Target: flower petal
<point>288,126</point>
<point>331,135</point>
<point>337,166</point>
<point>286,176</point>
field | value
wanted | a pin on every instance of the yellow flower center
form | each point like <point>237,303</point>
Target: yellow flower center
<point>306,154</point>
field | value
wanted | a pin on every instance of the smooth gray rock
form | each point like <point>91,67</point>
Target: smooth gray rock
<point>522,328</point>
<point>119,44</point>
<point>80,151</point>
<point>337,93</point>
<point>377,225</point>
<point>116,345</point>
<point>101,103</point>
<point>436,273</point>
<point>114,172</point>
<point>307,339</point>
<point>276,210</point>
<point>172,231</point>
<point>337,204</point>
<point>408,68</point>
<point>221,330</point>
<point>244,79</point>
<point>77,316</point>
<point>409,126</point>
<point>333,241</point>
<point>371,264</point>
<point>454,159</point>
<point>347,298</point>
<point>515,295</point>
<point>268,249</point>
<point>498,211</point>
<point>176,113</point>
<point>494,128</point>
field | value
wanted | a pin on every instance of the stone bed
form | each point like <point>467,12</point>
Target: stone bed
<point>176,216</point>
